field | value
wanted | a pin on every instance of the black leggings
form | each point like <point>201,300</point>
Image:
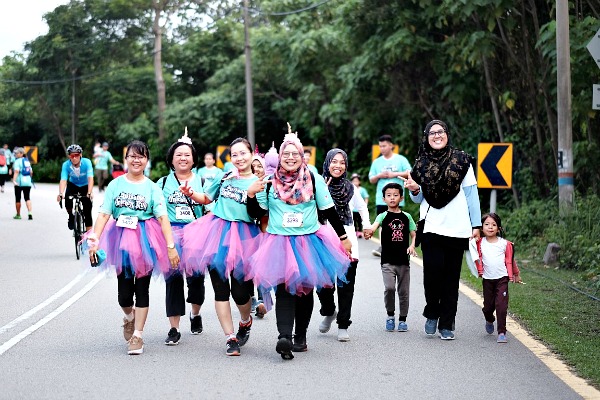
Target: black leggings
<point>25,190</point>
<point>290,308</point>
<point>128,287</point>
<point>72,190</point>
<point>345,296</point>
<point>174,298</point>
<point>240,291</point>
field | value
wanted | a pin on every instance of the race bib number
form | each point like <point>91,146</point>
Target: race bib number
<point>127,221</point>
<point>183,212</point>
<point>292,220</point>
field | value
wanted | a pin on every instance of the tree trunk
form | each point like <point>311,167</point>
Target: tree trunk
<point>158,74</point>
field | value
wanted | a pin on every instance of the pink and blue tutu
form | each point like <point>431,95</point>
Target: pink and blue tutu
<point>302,263</point>
<point>214,243</point>
<point>137,252</point>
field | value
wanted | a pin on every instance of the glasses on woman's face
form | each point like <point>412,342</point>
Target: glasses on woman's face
<point>136,158</point>
<point>439,133</point>
<point>290,154</point>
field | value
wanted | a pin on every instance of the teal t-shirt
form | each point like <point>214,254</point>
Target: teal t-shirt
<point>102,161</point>
<point>299,219</point>
<point>18,165</point>
<point>396,163</point>
<point>232,199</point>
<point>313,169</point>
<point>209,174</point>
<point>178,208</point>
<point>78,176</point>
<point>142,199</point>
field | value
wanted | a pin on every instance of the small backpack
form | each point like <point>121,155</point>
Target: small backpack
<point>26,170</point>
<point>2,159</point>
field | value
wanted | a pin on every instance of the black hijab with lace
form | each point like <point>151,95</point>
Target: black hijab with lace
<point>440,172</point>
<point>341,189</point>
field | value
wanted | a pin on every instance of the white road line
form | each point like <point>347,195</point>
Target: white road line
<point>12,342</point>
<point>40,306</point>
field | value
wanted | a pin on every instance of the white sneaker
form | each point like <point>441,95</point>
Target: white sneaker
<point>343,335</point>
<point>325,325</point>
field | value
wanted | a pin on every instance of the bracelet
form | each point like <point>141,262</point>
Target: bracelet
<point>415,192</point>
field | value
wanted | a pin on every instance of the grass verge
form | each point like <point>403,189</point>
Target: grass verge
<point>566,321</point>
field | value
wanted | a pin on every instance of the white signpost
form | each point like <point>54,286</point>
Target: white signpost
<point>594,49</point>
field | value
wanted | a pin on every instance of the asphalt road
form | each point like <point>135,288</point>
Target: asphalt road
<point>61,338</point>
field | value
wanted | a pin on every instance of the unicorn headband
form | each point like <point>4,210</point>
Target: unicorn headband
<point>291,138</point>
<point>185,138</point>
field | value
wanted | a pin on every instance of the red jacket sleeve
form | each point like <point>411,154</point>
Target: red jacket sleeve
<point>509,260</point>
<point>479,263</point>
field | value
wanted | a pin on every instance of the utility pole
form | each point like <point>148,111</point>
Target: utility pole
<point>565,130</point>
<point>73,106</point>
<point>249,93</point>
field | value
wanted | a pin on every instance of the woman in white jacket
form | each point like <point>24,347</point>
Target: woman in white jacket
<point>346,198</point>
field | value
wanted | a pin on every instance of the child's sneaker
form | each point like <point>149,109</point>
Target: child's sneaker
<point>489,327</point>
<point>502,338</point>
<point>402,326</point>
<point>343,335</point>
<point>390,324</point>
<point>325,325</point>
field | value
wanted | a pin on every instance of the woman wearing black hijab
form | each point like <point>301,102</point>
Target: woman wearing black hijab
<point>346,197</point>
<point>443,181</point>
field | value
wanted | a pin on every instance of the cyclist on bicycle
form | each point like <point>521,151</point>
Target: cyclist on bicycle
<point>77,176</point>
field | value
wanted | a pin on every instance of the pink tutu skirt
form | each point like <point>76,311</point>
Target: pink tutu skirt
<point>302,263</point>
<point>137,252</point>
<point>214,243</point>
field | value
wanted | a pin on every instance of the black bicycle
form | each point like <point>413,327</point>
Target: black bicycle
<point>78,222</point>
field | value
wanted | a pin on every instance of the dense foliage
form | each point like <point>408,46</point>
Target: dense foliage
<point>342,73</point>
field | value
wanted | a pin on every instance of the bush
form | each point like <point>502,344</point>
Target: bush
<point>47,171</point>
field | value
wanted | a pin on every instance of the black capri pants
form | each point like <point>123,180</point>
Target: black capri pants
<point>128,287</point>
<point>240,291</point>
<point>25,190</point>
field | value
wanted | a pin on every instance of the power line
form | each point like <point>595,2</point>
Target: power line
<point>283,13</point>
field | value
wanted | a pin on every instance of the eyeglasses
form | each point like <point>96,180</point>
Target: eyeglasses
<point>136,158</point>
<point>440,133</point>
<point>241,154</point>
<point>75,155</point>
<point>290,154</point>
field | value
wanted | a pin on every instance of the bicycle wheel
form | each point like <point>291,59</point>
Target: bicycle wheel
<point>78,232</point>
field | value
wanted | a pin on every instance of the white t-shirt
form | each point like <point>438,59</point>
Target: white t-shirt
<point>492,258</point>
<point>453,220</point>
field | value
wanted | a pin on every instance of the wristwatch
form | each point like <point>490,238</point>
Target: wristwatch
<point>171,246</point>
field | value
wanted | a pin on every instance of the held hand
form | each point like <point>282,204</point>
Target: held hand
<point>257,186</point>
<point>475,235</point>
<point>173,258</point>
<point>368,233</point>
<point>347,246</point>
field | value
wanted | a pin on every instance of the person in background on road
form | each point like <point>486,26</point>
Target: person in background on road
<point>296,254</point>
<point>220,243</point>
<point>443,182</point>
<point>258,169</point>
<point>358,227</point>
<point>137,238</point>
<point>97,152</point>
<point>497,267</point>
<point>5,166</point>
<point>77,177</point>
<point>345,197</point>
<point>182,159</point>
<point>101,161</point>
<point>307,155</point>
<point>22,180</point>
<point>387,168</point>
<point>398,232</point>
<point>209,173</point>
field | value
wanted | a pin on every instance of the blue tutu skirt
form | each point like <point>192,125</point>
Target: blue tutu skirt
<point>302,263</point>
<point>214,243</point>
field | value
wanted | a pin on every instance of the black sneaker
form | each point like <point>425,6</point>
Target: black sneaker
<point>243,333</point>
<point>284,348</point>
<point>233,348</point>
<point>30,217</point>
<point>173,337</point>
<point>377,252</point>
<point>196,325</point>
<point>299,344</point>
<point>71,223</point>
